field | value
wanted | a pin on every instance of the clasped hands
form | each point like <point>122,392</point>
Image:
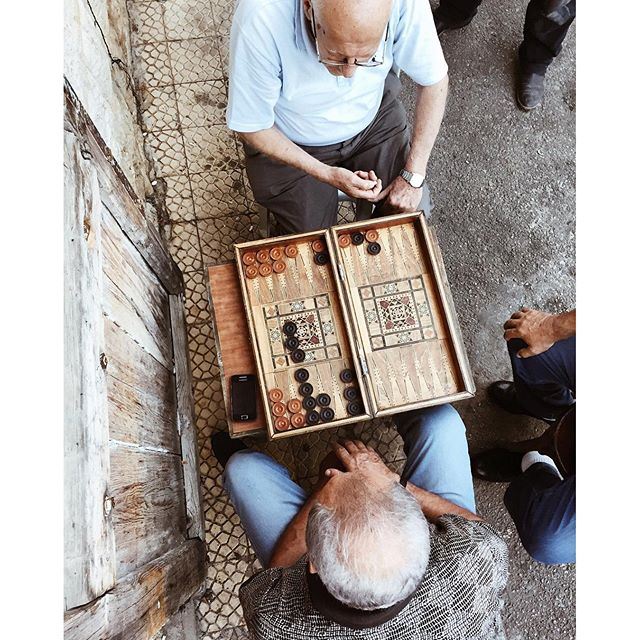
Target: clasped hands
<point>398,197</point>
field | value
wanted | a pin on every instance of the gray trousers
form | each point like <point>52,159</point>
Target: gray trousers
<point>302,203</point>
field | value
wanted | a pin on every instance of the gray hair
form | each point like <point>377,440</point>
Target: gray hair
<point>371,549</point>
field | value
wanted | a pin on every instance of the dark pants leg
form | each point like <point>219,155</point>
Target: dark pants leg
<point>302,203</point>
<point>384,145</point>
<point>458,10</point>
<point>546,383</point>
<point>543,508</point>
<point>545,27</point>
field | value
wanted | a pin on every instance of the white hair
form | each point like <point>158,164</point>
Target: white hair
<point>371,549</point>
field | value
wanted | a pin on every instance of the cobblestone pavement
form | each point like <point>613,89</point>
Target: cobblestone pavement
<point>503,183</point>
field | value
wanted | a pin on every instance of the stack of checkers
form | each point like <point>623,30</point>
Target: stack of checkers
<point>321,255</point>
<point>357,238</point>
<point>291,342</point>
<point>351,393</point>
<point>265,261</point>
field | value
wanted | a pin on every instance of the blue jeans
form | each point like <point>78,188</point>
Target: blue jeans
<point>543,506</point>
<point>266,499</point>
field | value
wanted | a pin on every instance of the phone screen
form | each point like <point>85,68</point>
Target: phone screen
<point>243,398</point>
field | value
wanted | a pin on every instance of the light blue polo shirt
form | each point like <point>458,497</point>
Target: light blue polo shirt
<point>275,76</point>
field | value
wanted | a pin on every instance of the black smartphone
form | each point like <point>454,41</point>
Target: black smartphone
<point>243,398</point>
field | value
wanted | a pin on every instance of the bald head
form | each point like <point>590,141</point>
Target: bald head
<point>348,29</point>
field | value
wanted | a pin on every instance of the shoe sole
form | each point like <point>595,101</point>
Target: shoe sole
<point>462,26</point>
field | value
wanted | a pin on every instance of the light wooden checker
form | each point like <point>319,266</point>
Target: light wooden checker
<point>399,318</point>
<point>304,290</point>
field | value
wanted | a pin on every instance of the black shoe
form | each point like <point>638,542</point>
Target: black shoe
<point>530,90</point>
<point>224,447</point>
<point>496,465</point>
<point>503,393</point>
<point>444,22</point>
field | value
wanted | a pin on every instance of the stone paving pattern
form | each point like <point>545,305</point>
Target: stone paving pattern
<point>503,184</point>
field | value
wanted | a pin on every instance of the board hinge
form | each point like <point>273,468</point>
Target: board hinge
<point>341,272</point>
<point>363,363</point>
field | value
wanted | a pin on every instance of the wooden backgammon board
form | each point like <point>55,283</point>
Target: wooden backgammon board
<point>340,325</point>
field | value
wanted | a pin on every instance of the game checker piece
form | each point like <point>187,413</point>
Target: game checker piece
<point>290,328</point>
<point>346,376</point>
<point>351,393</point>
<point>357,238</point>
<point>306,389</point>
<point>327,414</point>
<point>308,403</point>
<point>298,356</point>
<point>275,395</point>
<point>374,248</point>
<point>354,408</point>
<point>281,424</point>
<point>301,375</point>
<point>323,399</point>
<point>297,420</point>
<point>321,258</point>
<point>313,417</point>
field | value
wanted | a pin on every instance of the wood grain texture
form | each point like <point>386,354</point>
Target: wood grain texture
<point>304,289</point>
<point>119,196</point>
<point>183,624</point>
<point>135,300</point>
<point>186,420</point>
<point>399,316</point>
<point>141,393</point>
<point>142,603</point>
<point>235,355</point>
<point>149,505</point>
<point>89,552</point>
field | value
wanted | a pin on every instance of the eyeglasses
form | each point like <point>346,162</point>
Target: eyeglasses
<point>372,62</point>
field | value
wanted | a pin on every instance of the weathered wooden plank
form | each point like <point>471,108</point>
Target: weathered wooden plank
<point>89,554</point>
<point>141,394</point>
<point>183,625</point>
<point>135,300</point>
<point>149,505</point>
<point>142,603</point>
<point>120,197</point>
<point>186,420</point>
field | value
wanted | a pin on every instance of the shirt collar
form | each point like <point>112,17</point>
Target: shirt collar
<point>302,39</point>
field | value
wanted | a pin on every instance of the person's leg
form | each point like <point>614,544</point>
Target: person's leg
<point>545,384</point>
<point>264,496</point>
<point>437,453</point>
<point>299,202</point>
<point>545,27</point>
<point>384,145</point>
<point>543,508</point>
<point>457,11</point>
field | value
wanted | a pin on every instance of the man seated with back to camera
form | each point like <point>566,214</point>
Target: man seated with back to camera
<point>390,556</point>
<point>313,95</point>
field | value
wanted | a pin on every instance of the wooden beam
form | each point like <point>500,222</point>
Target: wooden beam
<point>89,552</point>
<point>183,625</point>
<point>186,419</point>
<point>143,602</point>
<point>119,196</point>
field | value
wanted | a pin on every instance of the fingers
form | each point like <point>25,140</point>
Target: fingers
<point>517,314</point>
<point>343,455</point>
<point>510,334</point>
<point>362,182</point>
<point>351,447</point>
<point>526,353</point>
<point>383,194</point>
<point>511,324</point>
<point>331,472</point>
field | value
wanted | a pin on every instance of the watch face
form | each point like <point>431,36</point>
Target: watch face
<point>416,180</point>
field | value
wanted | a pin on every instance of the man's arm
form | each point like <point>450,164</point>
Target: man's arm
<point>292,544</point>
<point>540,330</point>
<point>433,506</point>
<point>274,144</point>
<point>430,106</point>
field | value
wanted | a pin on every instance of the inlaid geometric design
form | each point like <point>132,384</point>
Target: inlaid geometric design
<point>315,330</point>
<point>159,109</point>
<point>202,103</point>
<point>147,22</point>
<point>188,19</point>
<point>396,313</point>
<point>211,148</point>
<point>195,60</point>
<point>153,68</point>
<point>167,149</point>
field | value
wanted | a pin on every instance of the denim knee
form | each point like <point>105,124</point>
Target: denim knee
<point>241,467</point>
<point>431,421</point>
<point>549,546</point>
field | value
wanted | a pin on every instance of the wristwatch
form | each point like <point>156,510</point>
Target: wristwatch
<point>416,180</point>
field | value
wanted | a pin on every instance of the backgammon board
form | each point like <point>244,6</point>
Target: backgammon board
<point>351,323</point>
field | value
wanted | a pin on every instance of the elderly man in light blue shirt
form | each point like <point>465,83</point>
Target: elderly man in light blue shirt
<point>313,95</point>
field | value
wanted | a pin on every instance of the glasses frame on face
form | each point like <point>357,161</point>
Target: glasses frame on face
<point>372,62</point>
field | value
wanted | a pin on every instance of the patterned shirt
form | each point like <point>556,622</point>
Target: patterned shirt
<point>458,598</point>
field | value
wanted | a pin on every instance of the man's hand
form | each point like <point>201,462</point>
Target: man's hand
<point>357,456</point>
<point>400,197</point>
<point>536,328</point>
<point>364,185</point>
